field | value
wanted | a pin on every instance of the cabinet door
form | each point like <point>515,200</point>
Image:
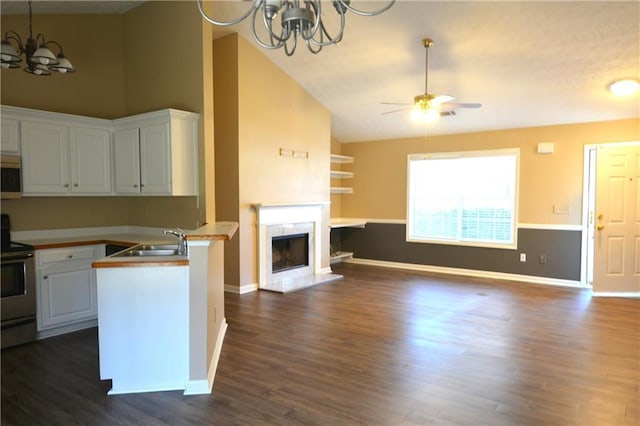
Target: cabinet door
<point>45,158</point>
<point>155,159</point>
<point>126,150</point>
<point>10,140</point>
<point>66,296</point>
<point>90,151</point>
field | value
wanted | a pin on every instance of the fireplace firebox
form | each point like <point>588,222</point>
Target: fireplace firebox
<point>289,252</point>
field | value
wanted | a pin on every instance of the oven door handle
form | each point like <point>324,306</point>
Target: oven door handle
<point>17,256</point>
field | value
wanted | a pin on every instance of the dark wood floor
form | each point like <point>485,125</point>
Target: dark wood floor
<point>380,347</point>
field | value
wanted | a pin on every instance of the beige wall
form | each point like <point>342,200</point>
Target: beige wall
<point>156,56</point>
<point>94,45</point>
<point>380,168</point>
<point>226,147</point>
<point>273,112</point>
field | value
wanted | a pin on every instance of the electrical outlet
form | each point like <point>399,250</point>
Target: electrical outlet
<point>523,257</point>
<point>542,258</point>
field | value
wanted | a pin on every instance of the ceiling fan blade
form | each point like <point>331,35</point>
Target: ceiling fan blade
<point>460,105</point>
<point>395,103</point>
<point>396,110</point>
<point>447,113</point>
<point>441,99</point>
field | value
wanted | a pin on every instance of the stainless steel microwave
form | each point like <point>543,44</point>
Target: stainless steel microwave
<point>10,182</point>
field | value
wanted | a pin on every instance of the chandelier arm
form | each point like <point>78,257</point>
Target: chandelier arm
<point>331,40</point>
<point>310,44</point>
<point>293,50</point>
<point>12,35</point>
<point>271,35</point>
<point>256,6</point>
<point>363,12</point>
<point>268,23</point>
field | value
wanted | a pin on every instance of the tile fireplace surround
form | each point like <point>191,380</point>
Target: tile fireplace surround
<point>276,220</point>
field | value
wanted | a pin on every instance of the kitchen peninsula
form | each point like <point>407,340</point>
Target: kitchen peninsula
<point>161,319</point>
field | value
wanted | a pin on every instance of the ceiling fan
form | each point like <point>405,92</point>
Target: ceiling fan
<point>427,105</point>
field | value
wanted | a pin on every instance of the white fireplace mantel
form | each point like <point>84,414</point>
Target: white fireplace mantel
<point>270,216</point>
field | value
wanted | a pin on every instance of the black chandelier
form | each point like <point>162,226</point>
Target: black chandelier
<point>298,18</point>
<point>40,60</point>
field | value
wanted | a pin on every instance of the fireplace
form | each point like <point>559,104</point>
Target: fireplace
<point>289,252</point>
<point>290,249</point>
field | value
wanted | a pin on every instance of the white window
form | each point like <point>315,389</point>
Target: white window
<point>465,198</point>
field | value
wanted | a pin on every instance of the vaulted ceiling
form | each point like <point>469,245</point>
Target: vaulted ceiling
<point>528,63</point>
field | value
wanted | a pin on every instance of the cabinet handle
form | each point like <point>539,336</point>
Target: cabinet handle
<point>135,185</point>
<point>66,185</point>
<point>75,184</point>
<point>142,185</point>
<point>46,277</point>
<point>70,256</point>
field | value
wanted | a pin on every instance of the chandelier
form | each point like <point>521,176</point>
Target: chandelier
<point>298,19</point>
<point>40,60</point>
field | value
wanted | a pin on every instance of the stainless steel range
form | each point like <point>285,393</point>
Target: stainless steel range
<point>18,302</point>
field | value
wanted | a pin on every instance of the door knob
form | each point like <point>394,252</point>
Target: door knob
<point>600,226</point>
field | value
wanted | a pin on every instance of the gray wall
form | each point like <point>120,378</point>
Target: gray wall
<point>386,242</point>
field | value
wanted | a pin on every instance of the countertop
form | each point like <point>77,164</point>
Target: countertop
<point>218,231</point>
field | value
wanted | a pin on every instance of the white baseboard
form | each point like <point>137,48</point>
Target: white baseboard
<point>247,288</point>
<point>614,294</point>
<point>467,272</point>
<point>67,329</point>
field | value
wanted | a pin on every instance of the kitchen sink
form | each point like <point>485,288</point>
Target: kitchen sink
<point>149,250</point>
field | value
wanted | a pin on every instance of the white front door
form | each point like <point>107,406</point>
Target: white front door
<point>617,221</point>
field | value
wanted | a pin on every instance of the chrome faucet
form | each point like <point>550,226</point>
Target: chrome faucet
<point>182,244</point>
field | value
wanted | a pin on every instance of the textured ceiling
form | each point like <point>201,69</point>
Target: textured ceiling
<point>528,63</point>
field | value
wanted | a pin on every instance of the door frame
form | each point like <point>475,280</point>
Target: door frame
<point>588,201</point>
<point>588,204</point>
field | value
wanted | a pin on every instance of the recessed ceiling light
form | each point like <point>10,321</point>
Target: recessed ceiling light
<point>626,87</point>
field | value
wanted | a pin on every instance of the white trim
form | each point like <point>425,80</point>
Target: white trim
<point>467,272</point>
<point>64,329</point>
<point>549,226</point>
<point>247,288</point>
<point>634,295</point>
<point>201,387</point>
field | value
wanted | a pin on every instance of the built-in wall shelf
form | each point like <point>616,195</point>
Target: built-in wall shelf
<point>341,174</point>
<point>341,190</point>
<point>340,256</point>
<point>347,223</point>
<point>338,174</point>
<point>341,159</point>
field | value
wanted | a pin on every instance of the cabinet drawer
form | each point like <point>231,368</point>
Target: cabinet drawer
<point>67,254</point>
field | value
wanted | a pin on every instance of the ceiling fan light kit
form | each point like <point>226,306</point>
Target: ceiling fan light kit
<point>299,18</point>
<point>428,107</point>
<point>40,60</point>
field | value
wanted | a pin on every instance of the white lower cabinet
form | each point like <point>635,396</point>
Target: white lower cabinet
<point>66,288</point>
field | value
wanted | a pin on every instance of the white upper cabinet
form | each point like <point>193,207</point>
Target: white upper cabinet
<point>126,157</point>
<point>90,154</point>
<point>156,153</point>
<point>10,140</point>
<point>62,154</point>
<point>62,159</point>
<point>45,158</point>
